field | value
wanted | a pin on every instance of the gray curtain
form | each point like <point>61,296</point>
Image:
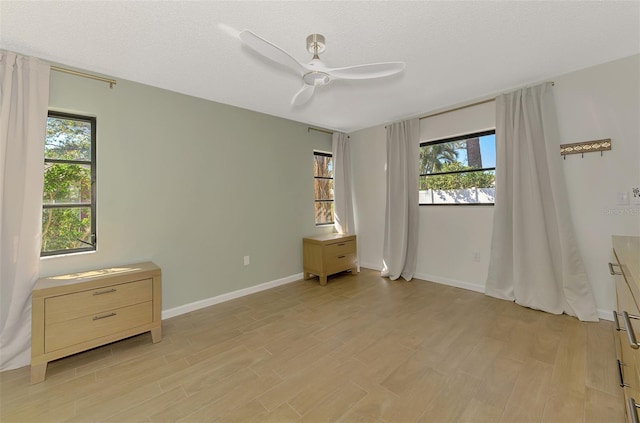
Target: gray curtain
<point>343,203</point>
<point>534,255</point>
<point>401,215</point>
<point>24,98</point>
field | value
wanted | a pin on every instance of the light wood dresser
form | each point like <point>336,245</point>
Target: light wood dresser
<point>75,312</point>
<point>626,272</point>
<point>327,254</point>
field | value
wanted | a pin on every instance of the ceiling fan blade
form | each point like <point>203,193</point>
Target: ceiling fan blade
<point>270,51</point>
<point>303,95</point>
<point>373,70</point>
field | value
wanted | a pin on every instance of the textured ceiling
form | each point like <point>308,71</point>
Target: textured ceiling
<point>455,51</point>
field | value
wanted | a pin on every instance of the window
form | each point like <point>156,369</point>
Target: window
<point>458,170</point>
<point>69,200</point>
<point>323,187</point>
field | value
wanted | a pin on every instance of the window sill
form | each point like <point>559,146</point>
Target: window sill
<point>62,255</point>
<point>460,204</point>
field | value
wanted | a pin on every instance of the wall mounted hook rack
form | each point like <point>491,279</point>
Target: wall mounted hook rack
<point>585,147</point>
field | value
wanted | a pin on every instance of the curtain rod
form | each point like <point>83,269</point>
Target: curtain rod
<point>111,82</point>
<point>466,106</point>
<point>477,103</point>
<point>309,129</point>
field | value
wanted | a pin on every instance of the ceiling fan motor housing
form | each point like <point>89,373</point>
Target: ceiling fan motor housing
<point>315,44</point>
<point>316,78</point>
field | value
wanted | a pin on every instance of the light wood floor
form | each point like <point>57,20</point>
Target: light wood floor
<point>361,348</point>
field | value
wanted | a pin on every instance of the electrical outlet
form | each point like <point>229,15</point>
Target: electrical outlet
<point>622,199</point>
<point>636,194</point>
<point>247,260</point>
<point>476,256</point>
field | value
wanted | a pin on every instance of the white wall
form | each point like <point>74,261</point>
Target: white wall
<point>598,102</point>
<point>595,103</point>
<point>194,186</point>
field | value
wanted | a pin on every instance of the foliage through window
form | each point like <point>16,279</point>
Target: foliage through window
<point>323,187</point>
<point>68,202</point>
<point>458,170</point>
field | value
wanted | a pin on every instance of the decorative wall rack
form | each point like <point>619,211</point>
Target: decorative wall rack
<point>585,147</point>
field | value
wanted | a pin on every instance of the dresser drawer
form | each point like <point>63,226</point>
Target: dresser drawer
<point>85,303</point>
<point>626,302</point>
<point>72,332</point>
<point>630,364</point>
<point>625,298</point>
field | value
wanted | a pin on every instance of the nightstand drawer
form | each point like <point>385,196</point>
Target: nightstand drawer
<point>339,263</point>
<point>91,302</point>
<point>339,249</point>
<point>76,331</point>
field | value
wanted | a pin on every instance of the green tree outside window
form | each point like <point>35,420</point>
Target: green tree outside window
<point>68,213</point>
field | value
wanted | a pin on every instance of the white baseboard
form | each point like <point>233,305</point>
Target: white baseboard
<point>436,279</point>
<point>450,282</point>
<point>196,305</point>
<point>370,266</point>
<point>605,314</point>
<point>602,314</point>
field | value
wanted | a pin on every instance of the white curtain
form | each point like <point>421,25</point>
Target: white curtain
<point>534,255</point>
<point>24,97</point>
<point>401,217</point>
<point>343,204</point>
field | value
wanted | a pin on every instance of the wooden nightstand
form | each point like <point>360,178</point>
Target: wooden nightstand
<point>76,312</point>
<point>327,254</point>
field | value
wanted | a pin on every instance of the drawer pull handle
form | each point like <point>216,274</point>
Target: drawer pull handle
<point>341,256</point>
<point>616,323</point>
<point>103,317</point>
<point>340,245</point>
<point>613,272</point>
<point>106,291</point>
<point>620,375</point>
<point>633,410</point>
<point>630,335</point>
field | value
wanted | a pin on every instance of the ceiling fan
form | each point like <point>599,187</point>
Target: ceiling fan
<point>315,73</point>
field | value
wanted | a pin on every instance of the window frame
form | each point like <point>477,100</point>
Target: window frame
<point>323,154</point>
<point>454,139</point>
<point>92,205</point>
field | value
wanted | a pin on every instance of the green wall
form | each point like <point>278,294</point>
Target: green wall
<point>194,186</point>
